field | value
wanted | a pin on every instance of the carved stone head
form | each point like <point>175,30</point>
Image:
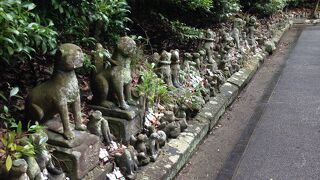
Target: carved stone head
<point>175,55</point>
<point>68,57</point>
<point>210,35</point>
<point>165,57</point>
<point>126,46</point>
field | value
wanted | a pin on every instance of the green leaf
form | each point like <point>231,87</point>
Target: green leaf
<point>14,91</point>
<point>11,135</point>
<point>8,163</point>
<point>5,109</point>
<point>2,151</point>
<point>19,128</point>
<point>10,50</point>
<point>43,140</point>
<point>14,31</point>
<point>3,97</point>
<point>6,40</point>
<point>29,6</point>
<point>4,142</point>
<point>44,47</point>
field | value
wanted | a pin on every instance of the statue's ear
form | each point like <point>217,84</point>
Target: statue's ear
<point>58,58</point>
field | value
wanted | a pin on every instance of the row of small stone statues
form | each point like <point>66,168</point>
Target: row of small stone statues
<point>112,86</point>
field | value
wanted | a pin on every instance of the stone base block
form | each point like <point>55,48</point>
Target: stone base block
<point>77,161</point>
<point>122,129</point>
<point>129,114</point>
<point>77,156</point>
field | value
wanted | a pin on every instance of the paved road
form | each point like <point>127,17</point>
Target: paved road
<point>225,154</point>
<point>286,141</point>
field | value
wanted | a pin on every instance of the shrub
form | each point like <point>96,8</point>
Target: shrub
<point>194,4</point>
<point>265,7</point>
<point>226,8</point>
<point>21,33</point>
<point>78,19</point>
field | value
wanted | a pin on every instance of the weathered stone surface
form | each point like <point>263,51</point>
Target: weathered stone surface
<point>78,160</point>
<point>270,46</point>
<point>53,96</point>
<point>55,131</point>
<point>123,129</point>
<point>240,78</point>
<point>213,110</point>
<point>229,91</point>
<point>175,154</point>
<point>117,112</point>
<point>99,172</point>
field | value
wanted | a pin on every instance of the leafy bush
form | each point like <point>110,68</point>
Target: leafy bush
<point>181,29</point>
<point>265,7</point>
<point>21,33</point>
<point>15,145</point>
<point>225,8</point>
<point>78,19</point>
<point>194,4</point>
<point>270,7</point>
<point>151,87</point>
<point>6,106</point>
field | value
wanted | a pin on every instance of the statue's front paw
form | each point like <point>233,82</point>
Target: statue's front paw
<point>124,106</point>
<point>81,127</point>
<point>68,135</point>
<point>131,102</point>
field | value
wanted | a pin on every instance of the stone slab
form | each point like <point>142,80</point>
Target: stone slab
<point>122,129</point>
<point>212,110</point>
<point>240,78</point>
<point>230,91</point>
<point>176,153</point>
<point>77,161</point>
<point>117,112</point>
<point>99,172</point>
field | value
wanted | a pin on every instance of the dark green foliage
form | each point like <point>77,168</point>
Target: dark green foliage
<point>77,20</point>
<point>267,7</point>
<point>225,8</point>
<point>21,34</point>
<point>194,4</point>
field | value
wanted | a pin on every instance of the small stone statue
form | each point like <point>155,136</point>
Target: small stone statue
<point>127,162</point>
<point>188,64</point>
<point>162,138</point>
<point>155,58</point>
<point>164,68</point>
<point>196,59</point>
<point>172,125</point>
<point>175,68</point>
<point>209,45</point>
<point>99,126</point>
<point>115,79</point>
<point>236,33</point>
<point>245,43</point>
<point>251,32</point>
<point>153,146</point>
<point>140,145</point>
<point>54,95</point>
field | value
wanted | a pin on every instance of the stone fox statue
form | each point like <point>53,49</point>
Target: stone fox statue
<point>115,81</point>
<point>54,95</point>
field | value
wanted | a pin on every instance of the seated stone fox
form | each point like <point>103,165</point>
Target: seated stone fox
<point>54,95</point>
<point>113,84</point>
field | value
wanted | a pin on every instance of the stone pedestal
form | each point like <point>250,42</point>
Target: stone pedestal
<point>122,123</point>
<point>77,156</point>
